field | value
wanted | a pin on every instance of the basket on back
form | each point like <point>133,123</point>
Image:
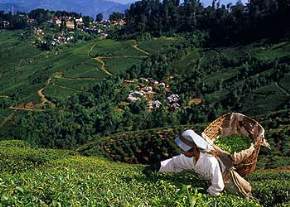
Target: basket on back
<point>239,124</point>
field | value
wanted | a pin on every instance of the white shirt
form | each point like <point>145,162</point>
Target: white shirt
<point>207,167</point>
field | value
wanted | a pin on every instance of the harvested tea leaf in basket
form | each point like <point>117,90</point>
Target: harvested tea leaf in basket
<point>233,143</point>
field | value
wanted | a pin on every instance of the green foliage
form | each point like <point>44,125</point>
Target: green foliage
<point>17,156</point>
<point>234,143</point>
<point>271,188</point>
<point>225,24</point>
<point>224,79</point>
<point>159,45</point>
<point>81,181</point>
<point>145,146</point>
<point>115,16</point>
<point>111,48</point>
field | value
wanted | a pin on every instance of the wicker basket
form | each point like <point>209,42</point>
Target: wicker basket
<point>238,124</point>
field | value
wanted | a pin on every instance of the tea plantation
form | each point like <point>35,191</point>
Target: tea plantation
<point>74,97</point>
<point>43,177</point>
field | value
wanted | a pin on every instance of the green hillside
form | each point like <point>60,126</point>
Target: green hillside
<point>76,97</point>
<point>26,69</point>
<point>63,178</point>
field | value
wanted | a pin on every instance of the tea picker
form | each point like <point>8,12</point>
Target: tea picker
<point>223,170</point>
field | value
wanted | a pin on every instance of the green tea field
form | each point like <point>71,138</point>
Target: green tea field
<point>43,177</point>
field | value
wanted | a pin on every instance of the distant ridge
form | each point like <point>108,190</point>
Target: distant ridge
<point>85,7</point>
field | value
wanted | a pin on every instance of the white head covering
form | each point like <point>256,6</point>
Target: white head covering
<point>193,137</point>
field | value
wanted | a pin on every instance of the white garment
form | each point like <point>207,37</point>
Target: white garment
<point>207,167</point>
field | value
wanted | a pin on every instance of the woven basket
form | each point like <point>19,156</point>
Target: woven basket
<point>239,124</point>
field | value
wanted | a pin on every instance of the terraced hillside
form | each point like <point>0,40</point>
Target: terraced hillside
<point>251,79</point>
<point>77,97</point>
<point>25,70</point>
<point>40,177</point>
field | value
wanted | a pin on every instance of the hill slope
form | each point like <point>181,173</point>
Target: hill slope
<point>63,178</point>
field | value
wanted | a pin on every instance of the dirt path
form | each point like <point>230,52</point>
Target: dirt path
<point>99,59</point>
<point>6,119</point>
<point>40,93</point>
<point>139,49</point>
<point>58,75</point>
<point>43,100</point>
<point>89,52</point>
<point>103,68</point>
<point>282,89</point>
<point>25,109</point>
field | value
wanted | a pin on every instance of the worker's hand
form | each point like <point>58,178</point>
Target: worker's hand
<point>154,167</point>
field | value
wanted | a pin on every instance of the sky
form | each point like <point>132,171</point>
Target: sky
<point>206,2</point>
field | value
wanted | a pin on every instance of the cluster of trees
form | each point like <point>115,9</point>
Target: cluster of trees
<point>225,23</point>
<point>9,21</point>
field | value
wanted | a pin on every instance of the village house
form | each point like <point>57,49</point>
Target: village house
<point>57,21</point>
<point>156,104</point>
<point>30,21</point>
<point>120,22</point>
<point>175,106</point>
<point>70,24</point>
<point>38,31</point>
<point>173,98</point>
<point>5,24</point>
<point>104,35</point>
<point>134,96</point>
<point>79,22</point>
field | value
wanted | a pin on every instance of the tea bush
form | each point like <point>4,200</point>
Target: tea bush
<point>16,155</point>
<point>144,146</point>
<point>83,181</point>
<point>66,179</point>
<point>271,187</point>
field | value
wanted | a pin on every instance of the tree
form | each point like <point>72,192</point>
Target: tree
<point>99,17</point>
<point>116,16</point>
<point>87,20</point>
<point>40,15</point>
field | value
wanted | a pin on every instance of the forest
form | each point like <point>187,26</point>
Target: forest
<point>224,24</point>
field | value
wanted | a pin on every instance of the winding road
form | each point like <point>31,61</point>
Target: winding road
<point>139,49</point>
<point>99,59</point>
<point>60,75</point>
<point>40,93</point>
<point>103,65</point>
